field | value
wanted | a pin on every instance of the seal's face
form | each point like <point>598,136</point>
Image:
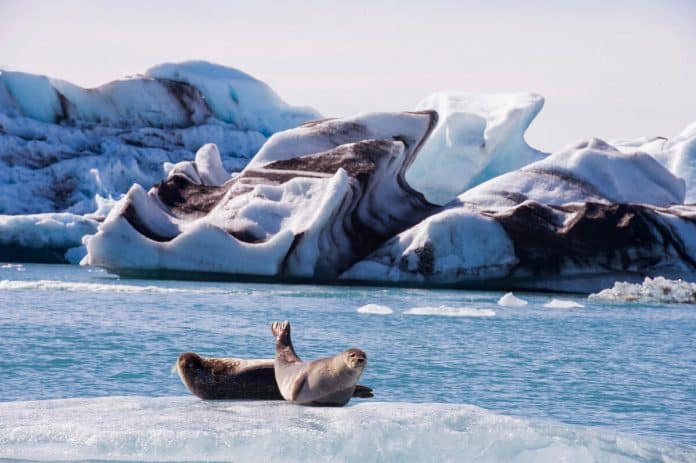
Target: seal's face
<point>189,363</point>
<point>355,358</point>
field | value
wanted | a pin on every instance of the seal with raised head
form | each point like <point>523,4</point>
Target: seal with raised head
<point>328,381</point>
<point>228,378</point>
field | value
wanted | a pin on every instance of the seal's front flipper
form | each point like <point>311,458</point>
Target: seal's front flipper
<point>363,392</point>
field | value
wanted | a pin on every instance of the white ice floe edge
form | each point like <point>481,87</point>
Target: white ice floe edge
<point>188,429</point>
<point>56,285</point>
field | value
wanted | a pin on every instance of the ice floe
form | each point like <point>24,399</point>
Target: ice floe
<point>659,290</point>
<point>562,304</point>
<point>510,300</point>
<point>446,311</point>
<point>377,309</point>
<point>188,429</point>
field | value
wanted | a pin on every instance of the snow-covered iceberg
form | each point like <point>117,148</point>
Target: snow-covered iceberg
<point>62,147</point>
<point>575,221</point>
<point>328,200</point>
<point>313,201</point>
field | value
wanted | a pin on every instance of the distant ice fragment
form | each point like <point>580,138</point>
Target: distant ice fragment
<point>562,304</point>
<point>445,311</point>
<point>658,290</point>
<point>375,309</point>
<point>510,300</point>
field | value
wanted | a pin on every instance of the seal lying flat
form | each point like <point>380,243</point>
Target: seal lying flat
<point>232,378</point>
<point>329,381</point>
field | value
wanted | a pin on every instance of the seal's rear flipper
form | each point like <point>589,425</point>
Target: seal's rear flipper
<point>281,329</point>
<point>284,350</point>
<point>363,392</point>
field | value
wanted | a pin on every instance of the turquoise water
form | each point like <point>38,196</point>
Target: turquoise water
<point>71,332</point>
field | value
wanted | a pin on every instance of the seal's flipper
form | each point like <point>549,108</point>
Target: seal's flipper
<point>285,353</point>
<point>363,392</point>
<point>297,386</point>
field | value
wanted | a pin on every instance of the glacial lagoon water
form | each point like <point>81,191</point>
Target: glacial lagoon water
<point>86,373</point>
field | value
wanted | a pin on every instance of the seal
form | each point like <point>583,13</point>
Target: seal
<point>229,378</point>
<point>328,381</point>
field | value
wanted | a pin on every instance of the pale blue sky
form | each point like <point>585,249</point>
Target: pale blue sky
<point>607,69</point>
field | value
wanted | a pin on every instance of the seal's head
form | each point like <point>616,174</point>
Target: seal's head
<point>188,364</point>
<point>355,359</point>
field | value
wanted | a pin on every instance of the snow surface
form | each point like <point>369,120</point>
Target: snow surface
<point>188,429</point>
<point>510,300</point>
<point>478,137</point>
<point>658,289</point>
<point>590,170</point>
<point>236,97</point>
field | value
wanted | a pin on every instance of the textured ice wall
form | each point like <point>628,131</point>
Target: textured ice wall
<point>678,154</point>
<point>61,145</point>
<point>478,137</point>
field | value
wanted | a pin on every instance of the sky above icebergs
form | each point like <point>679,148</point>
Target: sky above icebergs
<point>615,70</point>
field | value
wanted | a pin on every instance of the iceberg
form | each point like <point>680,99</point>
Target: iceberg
<point>574,221</point>
<point>478,137</point>
<point>62,147</point>
<point>310,204</point>
<point>328,201</point>
<point>188,429</point>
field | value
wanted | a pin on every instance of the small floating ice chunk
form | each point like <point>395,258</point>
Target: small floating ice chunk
<point>444,311</point>
<point>657,289</point>
<point>375,309</point>
<point>562,304</point>
<point>510,300</point>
